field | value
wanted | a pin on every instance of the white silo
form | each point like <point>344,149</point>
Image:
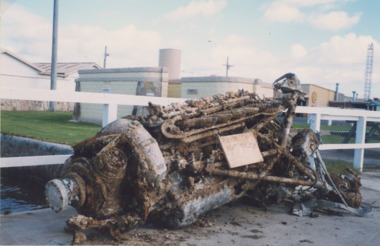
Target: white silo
<point>171,58</point>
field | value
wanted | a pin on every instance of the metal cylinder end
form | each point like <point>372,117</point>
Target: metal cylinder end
<point>57,195</point>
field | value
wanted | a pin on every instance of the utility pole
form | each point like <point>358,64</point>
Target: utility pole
<point>228,66</point>
<point>105,56</point>
<point>53,71</point>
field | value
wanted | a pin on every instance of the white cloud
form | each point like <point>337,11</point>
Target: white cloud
<point>30,36</point>
<point>297,51</point>
<point>247,60</point>
<point>279,11</point>
<point>339,59</point>
<point>25,32</point>
<point>334,21</point>
<point>342,59</point>
<point>311,2</point>
<point>127,46</point>
<point>348,49</point>
<point>298,10</point>
<point>195,8</point>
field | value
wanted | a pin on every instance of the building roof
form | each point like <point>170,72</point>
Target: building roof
<point>125,70</point>
<point>217,79</point>
<point>64,69</point>
<point>7,52</point>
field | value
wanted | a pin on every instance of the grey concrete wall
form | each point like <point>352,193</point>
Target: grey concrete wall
<point>12,146</point>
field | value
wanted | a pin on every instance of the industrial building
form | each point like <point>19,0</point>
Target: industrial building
<point>205,86</point>
<point>147,81</point>
<point>164,80</point>
<point>197,87</point>
<point>17,72</point>
<point>317,95</point>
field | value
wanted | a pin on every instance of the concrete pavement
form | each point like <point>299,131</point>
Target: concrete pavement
<point>234,224</point>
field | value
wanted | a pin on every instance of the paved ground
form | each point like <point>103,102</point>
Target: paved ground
<point>234,224</point>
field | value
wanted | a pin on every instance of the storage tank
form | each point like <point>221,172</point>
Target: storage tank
<point>171,58</point>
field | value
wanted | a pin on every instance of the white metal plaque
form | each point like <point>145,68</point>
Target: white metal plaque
<point>241,149</point>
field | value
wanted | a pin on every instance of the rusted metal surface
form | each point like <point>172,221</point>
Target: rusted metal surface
<point>168,166</point>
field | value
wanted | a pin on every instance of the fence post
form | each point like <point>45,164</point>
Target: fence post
<point>109,113</point>
<point>315,125</point>
<point>315,122</point>
<point>360,139</point>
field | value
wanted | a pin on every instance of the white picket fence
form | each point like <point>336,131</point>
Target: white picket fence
<point>360,116</point>
<point>111,101</point>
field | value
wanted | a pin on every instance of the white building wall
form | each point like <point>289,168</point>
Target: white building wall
<point>17,74</point>
<point>10,65</point>
<point>263,91</point>
<point>164,87</point>
<point>197,87</point>
<point>92,113</point>
<point>117,81</point>
<point>66,84</point>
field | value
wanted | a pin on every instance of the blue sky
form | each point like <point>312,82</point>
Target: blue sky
<point>322,41</point>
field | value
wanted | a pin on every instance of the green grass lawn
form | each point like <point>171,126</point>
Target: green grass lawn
<point>334,139</point>
<point>336,128</point>
<point>47,126</point>
<point>337,166</point>
<point>300,125</point>
<point>323,127</point>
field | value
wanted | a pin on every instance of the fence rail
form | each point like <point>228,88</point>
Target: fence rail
<point>361,117</point>
<point>111,101</point>
<point>26,161</point>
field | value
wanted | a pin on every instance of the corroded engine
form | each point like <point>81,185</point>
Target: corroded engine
<point>169,166</point>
